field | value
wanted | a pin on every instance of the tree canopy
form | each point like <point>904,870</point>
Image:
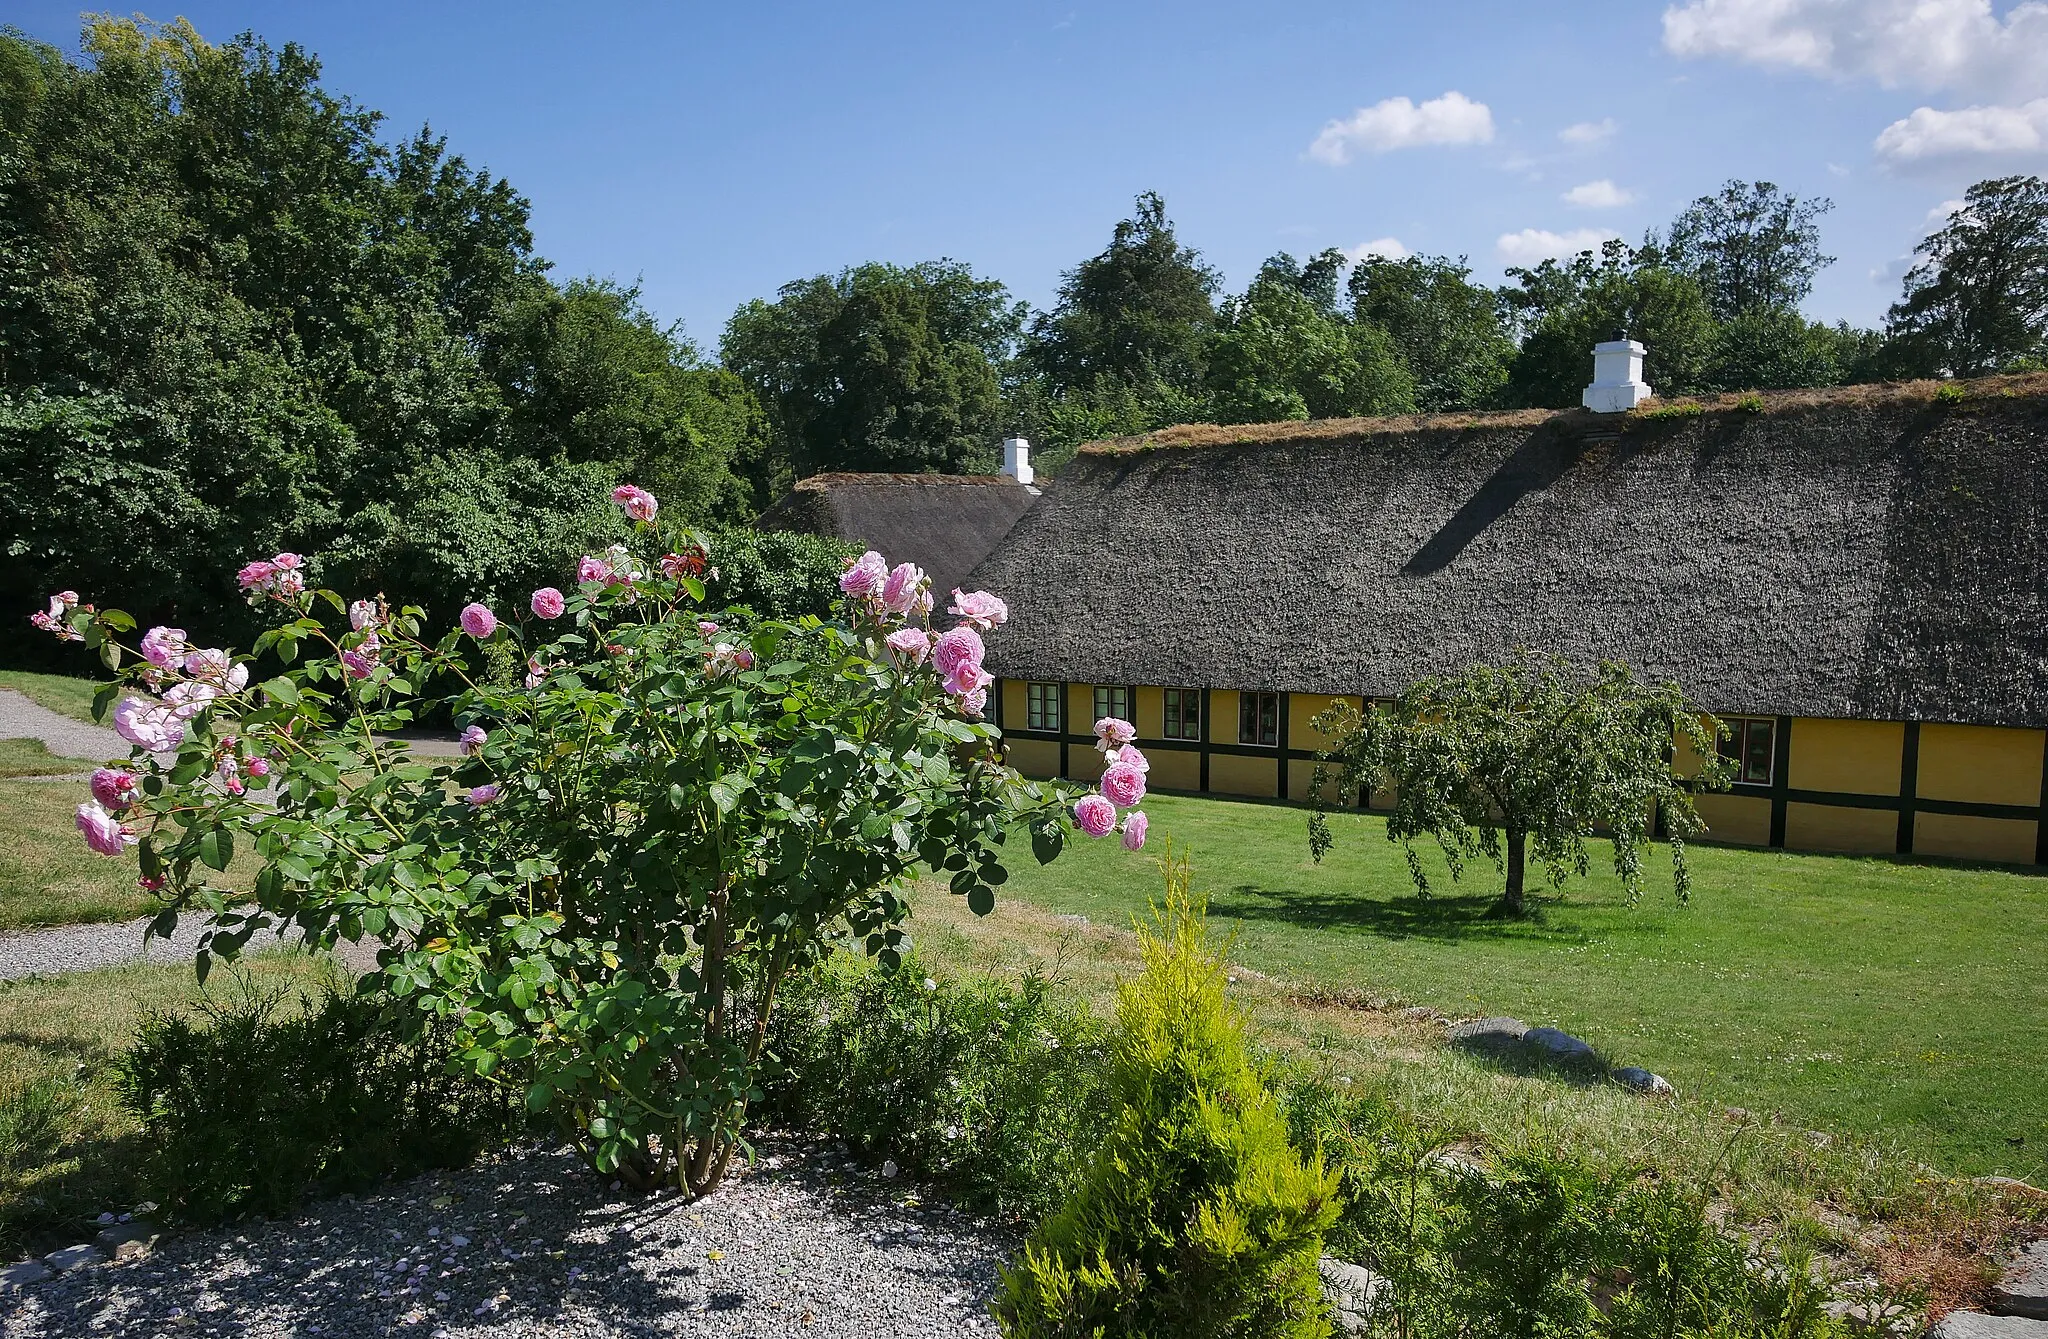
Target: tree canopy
<point>1753,248</point>
<point>1977,301</point>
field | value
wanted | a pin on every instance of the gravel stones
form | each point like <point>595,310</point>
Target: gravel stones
<point>23,719</point>
<point>21,1274</point>
<point>791,1247</point>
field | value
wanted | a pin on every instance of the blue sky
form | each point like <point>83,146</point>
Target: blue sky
<point>715,152</point>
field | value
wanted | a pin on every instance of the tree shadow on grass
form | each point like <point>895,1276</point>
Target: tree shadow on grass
<point>1456,918</point>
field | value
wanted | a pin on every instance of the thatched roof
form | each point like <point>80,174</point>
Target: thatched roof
<point>1869,552</point>
<point>945,523</point>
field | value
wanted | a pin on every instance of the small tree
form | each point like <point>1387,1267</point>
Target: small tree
<point>1197,1217</point>
<point>1502,761</point>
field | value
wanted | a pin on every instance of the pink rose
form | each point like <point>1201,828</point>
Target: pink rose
<point>472,741</point>
<point>255,576</point>
<point>480,796</point>
<point>358,664</point>
<point>288,583</point>
<point>865,575</point>
<point>66,598</point>
<point>1112,730</point>
<point>362,614</point>
<point>103,832</point>
<point>285,562</point>
<point>593,569</point>
<point>162,646</point>
<point>217,668</point>
<point>548,603</point>
<point>744,658</point>
<point>1128,756</point>
<point>901,590</point>
<point>1124,786</point>
<point>956,649</point>
<point>974,703</point>
<point>1095,815</point>
<point>706,628</point>
<point>909,645</point>
<point>148,725</point>
<point>1135,824</point>
<point>114,788</point>
<point>967,679</point>
<point>980,609</point>
<point>189,698</point>
<point>259,767</point>
<point>478,621</point>
<point>637,503</point>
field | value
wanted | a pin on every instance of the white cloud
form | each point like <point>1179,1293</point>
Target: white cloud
<point>1928,44</point>
<point>1939,216</point>
<point>1589,132</point>
<point>1397,123</point>
<point>1389,248</point>
<point>1973,131</point>
<point>1531,245</point>
<point>1602,194</point>
<point>1958,46</point>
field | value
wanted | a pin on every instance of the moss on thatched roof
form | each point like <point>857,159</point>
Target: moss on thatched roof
<point>945,523</point>
<point>1862,552</point>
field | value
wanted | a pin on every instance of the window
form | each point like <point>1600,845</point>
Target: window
<point>1750,746</point>
<point>1183,713</point>
<point>1112,702</point>
<point>1258,718</point>
<point>1042,706</point>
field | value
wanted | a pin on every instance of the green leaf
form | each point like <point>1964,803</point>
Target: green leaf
<point>294,867</point>
<point>726,792</point>
<point>110,654</point>
<point>217,847</point>
<point>539,1097</point>
<point>282,690</point>
<point>981,899</point>
<point>103,699</point>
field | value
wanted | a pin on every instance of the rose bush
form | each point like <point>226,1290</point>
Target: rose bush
<point>658,812</point>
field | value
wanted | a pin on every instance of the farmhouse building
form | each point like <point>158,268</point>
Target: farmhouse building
<point>945,523</point>
<point>1852,579</point>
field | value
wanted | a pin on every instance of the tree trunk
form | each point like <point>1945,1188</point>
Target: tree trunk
<point>1511,897</point>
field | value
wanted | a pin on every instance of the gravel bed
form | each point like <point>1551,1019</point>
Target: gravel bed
<point>529,1243</point>
<point>84,948</point>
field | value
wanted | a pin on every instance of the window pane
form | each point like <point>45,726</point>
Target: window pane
<point>1269,718</point>
<point>1247,718</point>
<point>1191,713</point>
<point>1758,764</point>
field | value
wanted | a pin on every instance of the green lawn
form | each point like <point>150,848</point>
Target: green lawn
<point>59,692</point>
<point>1907,1001</point>
<point>30,757</point>
<point>48,876</point>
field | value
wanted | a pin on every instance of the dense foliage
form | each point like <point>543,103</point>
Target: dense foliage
<point>1977,301</point>
<point>975,1086</point>
<point>1196,1216</point>
<point>1508,761</point>
<point>657,816</point>
<point>267,1098</point>
<point>234,318</point>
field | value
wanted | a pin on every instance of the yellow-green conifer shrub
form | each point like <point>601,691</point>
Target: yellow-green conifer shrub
<point>1196,1218</point>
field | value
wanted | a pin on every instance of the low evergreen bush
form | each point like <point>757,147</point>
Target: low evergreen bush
<point>983,1089</point>
<point>270,1097</point>
<point>1196,1217</point>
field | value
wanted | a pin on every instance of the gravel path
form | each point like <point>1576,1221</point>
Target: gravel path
<point>82,948</point>
<point>23,719</point>
<point>529,1244</point>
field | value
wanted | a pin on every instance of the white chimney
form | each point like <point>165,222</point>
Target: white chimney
<point>1017,459</point>
<point>1618,383</point>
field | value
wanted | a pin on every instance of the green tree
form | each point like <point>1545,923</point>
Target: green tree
<point>879,367</point>
<point>1138,313</point>
<point>1196,1217</point>
<point>1449,330</point>
<point>1524,759</point>
<point>1278,353</point>
<point>1564,308</point>
<point>1977,301</point>
<point>1753,247</point>
<point>1776,347</point>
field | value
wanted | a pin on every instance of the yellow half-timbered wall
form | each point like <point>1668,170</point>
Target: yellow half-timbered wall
<point>1967,792</point>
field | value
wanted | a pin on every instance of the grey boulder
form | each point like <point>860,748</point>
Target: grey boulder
<point>1560,1044</point>
<point>1351,1290</point>
<point>2023,1289</point>
<point>1977,1325</point>
<point>1643,1081</point>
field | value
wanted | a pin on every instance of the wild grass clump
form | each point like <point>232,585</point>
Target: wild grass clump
<point>1196,1217</point>
<point>269,1096</point>
<point>984,1089</point>
<point>1535,1239</point>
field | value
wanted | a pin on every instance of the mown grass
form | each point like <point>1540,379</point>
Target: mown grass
<point>31,757</point>
<point>61,693</point>
<point>47,874</point>
<point>1866,1201</point>
<point>1899,1001</point>
<point>68,1148</point>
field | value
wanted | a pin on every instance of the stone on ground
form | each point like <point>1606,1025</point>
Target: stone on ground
<point>1977,1325</point>
<point>2023,1289</point>
<point>1351,1291</point>
<point>75,1257</point>
<point>128,1241</point>
<point>22,1274</point>
<point>1643,1081</point>
<point>1498,1035</point>
<point>1560,1044</point>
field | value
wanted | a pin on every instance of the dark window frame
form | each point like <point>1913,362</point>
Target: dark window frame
<point>1044,706</point>
<point>1258,715</point>
<point>1183,714</point>
<point>1751,739</point>
<point>1106,695</point>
